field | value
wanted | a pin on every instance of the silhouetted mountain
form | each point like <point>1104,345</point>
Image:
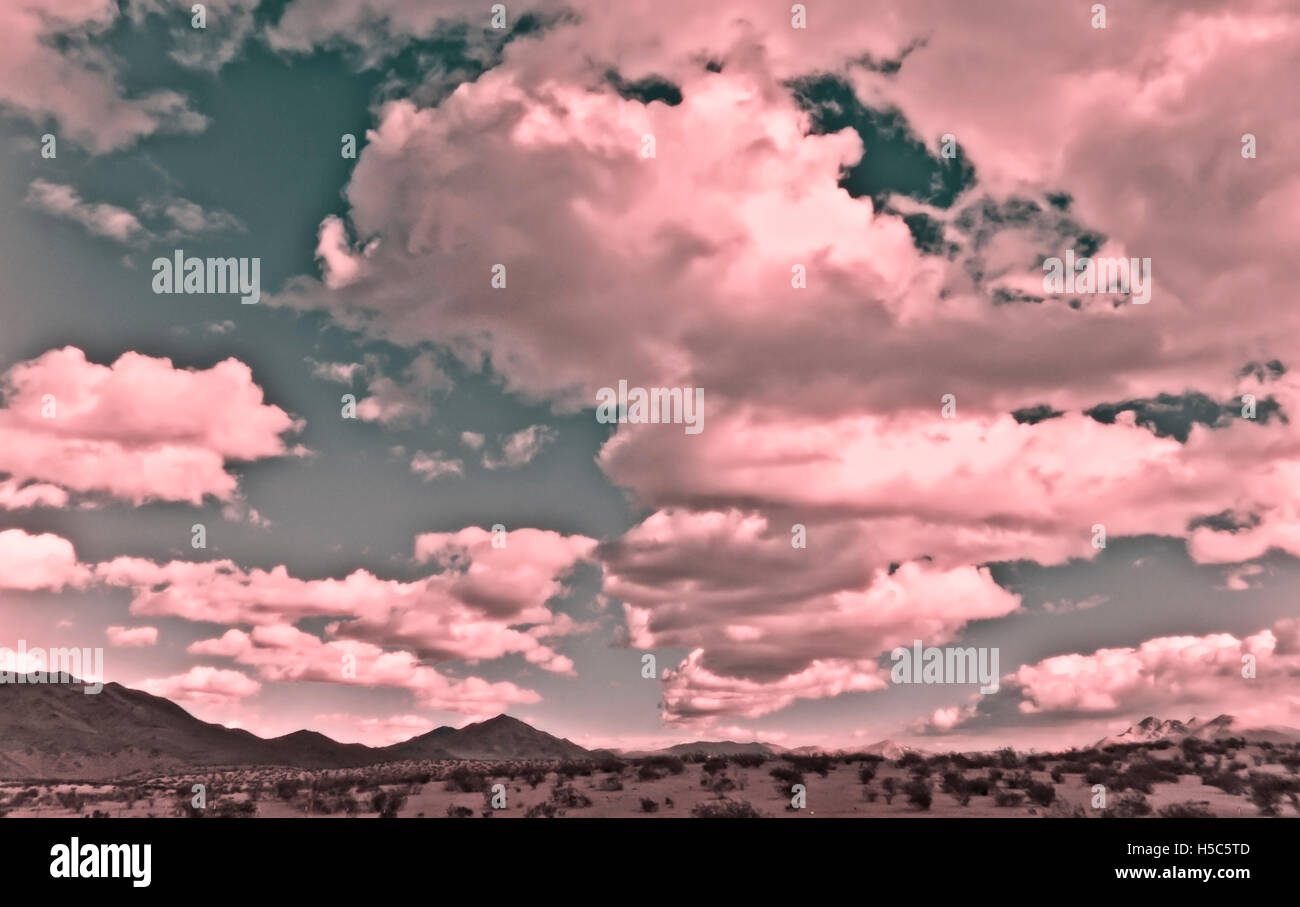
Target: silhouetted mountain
<point>720,748</point>
<point>59,731</point>
<point>501,737</point>
<point>1152,730</point>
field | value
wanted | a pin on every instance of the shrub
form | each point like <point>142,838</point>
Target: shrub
<point>1008,798</point>
<point>569,797</point>
<point>234,809</point>
<point>867,773</point>
<point>534,777</point>
<point>918,794</point>
<point>387,803</point>
<point>670,764</point>
<point>459,812</point>
<point>787,775</point>
<point>613,782</point>
<point>748,760</point>
<point>649,806</point>
<point>466,780</point>
<point>648,773</point>
<point>287,788</point>
<point>1266,791</point>
<point>1130,806</point>
<point>1227,782</point>
<point>820,765</point>
<point>541,810</point>
<point>1041,793</point>
<point>725,809</point>
<point>611,764</point>
<point>1188,809</point>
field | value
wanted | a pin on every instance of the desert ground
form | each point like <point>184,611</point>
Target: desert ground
<point>1196,778</point>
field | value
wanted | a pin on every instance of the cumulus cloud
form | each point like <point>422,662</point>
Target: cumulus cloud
<point>430,466</point>
<point>44,561</point>
<point>1253,678</point>
<point>203,686</point>
<point>54,69</point>
<point>281,653</point>
<point>676,270</point>
<point>138,429</point>
<point>101,219</point>
<point>486,602</point>
<point>768,623</point>
<point>128,637</point>
<point>519,449</point>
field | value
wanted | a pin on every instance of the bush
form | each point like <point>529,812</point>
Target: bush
<point>1008,798</point>
<point>1266,791</point>
<point>918,794</point>
<point>534,777</point>
<point>670,764</point>
<point>725,809</point>
<point>459,812</point>
<point>649,806</point>
<point>287,788</point>
<point>1227,782</point>
<point>611,764</point>
<point>568,797</point>
<point>867,773</point>
<point>787,775</point>
<point>649,773</point>
<point>748,760</point>
<point>1130,806</point>
<point>1041,793</point>
<point>234,809</point>
<point>387,803</point>
<point>466,780</point>
<point>1189,809</point>
<point>820,765</point>
<point>541,810</point>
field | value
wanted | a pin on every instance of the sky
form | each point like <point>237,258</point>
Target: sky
<point>382,497</point>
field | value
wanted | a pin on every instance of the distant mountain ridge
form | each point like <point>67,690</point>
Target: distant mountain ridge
<point>58,731</point>
<point>1153,730</point>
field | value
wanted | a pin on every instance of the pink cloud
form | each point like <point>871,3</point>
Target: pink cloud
<point>1252,678</point>
<point>204,686</point>
<point>127,637</point>
<point>78,86</point>
<point>285,654</point>
<point>485,603</point>
<point>768,623</point>
<point>139,429</point>
<point>45,561</point>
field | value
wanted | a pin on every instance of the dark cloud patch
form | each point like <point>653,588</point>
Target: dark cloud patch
<point>1225,521</point>
<point>1263,371</point>
<point>646,90</point>
<point>1032,415</point>
<point>1173,415</point>
<point>896,160</point>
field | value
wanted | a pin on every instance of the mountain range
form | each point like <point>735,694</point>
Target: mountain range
<point>1152,730</point>
<point>58,731</point>
<point>50,731</point>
